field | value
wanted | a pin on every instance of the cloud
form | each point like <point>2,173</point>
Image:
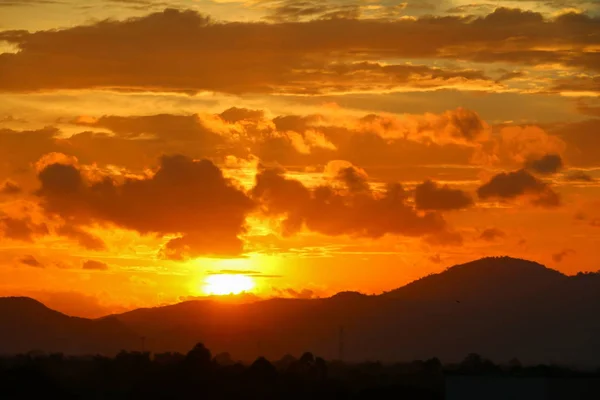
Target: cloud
<point>252,273</point>
<point>560,256</point>
<point>192,53</point>
<point>445,238</point>
<point>595,222</point>
<point>23,229</point>
<point>17,3</point>
<point>188,199</point>
<point>94,265</point>
<point>9,188</point>
<point>354,179</point>
<point>511,185</point>
<point>518,145</point>
<point>491,234</point>
<point>160,126</point>
<point>430,196</point>
<point>546,165</point>
<point>582,140</point>
<point>592,110</point>
<point>85,239</point>
<point>436,259</point>
<point>335,212</point>
<point>119,145</point>
<point>460,126</point>
<point>579,176</point>
<point>31,261</point>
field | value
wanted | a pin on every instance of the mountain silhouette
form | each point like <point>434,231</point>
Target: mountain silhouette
<point>499,307</point>
<point>28,325</point>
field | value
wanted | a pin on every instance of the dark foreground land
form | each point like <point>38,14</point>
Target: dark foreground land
<point>199,375</point>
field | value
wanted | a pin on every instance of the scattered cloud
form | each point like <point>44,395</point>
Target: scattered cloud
<point>183,197</point>
<point>560,256</point>
<point>30,261</point>
<point>192,53</point>
<point>546,165</point>
<point>94,265</point>
<point>512,185</point>
<point>579,176</point>
<point>445,238</point>
<point>431,196</point>
<point>23,229</point>
<point>335,212</point>
<point>10,188</point>
<point>491,234</point>
<point>85,239</point>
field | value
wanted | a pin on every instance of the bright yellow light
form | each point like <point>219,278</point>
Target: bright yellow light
<point>224,284</point>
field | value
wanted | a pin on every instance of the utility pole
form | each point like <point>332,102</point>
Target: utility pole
<point>341,344</point>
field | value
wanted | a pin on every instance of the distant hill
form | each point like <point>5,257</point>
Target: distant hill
<point>498,307</point>
<point>28,325</point>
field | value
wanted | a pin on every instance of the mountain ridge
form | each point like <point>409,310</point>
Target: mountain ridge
<point>499,307</point>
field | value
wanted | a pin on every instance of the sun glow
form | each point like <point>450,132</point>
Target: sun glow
<point>224,284</point>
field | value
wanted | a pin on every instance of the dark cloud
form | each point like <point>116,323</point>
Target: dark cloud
<point>183,197</point>
<point>94,265</point>
<point>160,126</point>
<point>143,5</point>
<point>585,108</point>
<point>192,53</point>
<point>30,261</point>
<point>354,180</point>
<point>560,256</point>
<point>252,273</point>
<point>445,238</point>
<point>23,229</point>
<point>546,165</point>
<point>436,259</point>
<point>10,188</point>
<point>578,84</point>
<point>235,114</point>
<point>583,141</point>
<point>431,196</point>
<point>579,176</point>
<point>17,3</point>
<point>85,239</point>
<point>19,149</point>
<point>375,142</point>
<point>509,75</point>
<point>472,9</point>
<point>491,234</point>
<point>296,10</point>
<point>333,212</point>
<point>511,185</point>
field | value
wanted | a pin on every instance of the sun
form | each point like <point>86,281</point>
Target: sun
<point>224,284</point>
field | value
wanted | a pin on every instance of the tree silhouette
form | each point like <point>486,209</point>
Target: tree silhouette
<point>199,357</point>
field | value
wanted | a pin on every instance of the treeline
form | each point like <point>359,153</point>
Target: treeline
<point>199,375</point>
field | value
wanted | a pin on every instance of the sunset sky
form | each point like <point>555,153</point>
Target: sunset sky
<point>297,147</point>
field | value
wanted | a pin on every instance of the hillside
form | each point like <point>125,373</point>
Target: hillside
<point>499,307</point>
<point>26,324</point>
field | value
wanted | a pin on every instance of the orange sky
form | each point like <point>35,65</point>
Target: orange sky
<point>146,146</point>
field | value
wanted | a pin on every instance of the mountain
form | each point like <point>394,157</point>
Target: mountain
<point>498,307</point>
<point>28,325</point>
